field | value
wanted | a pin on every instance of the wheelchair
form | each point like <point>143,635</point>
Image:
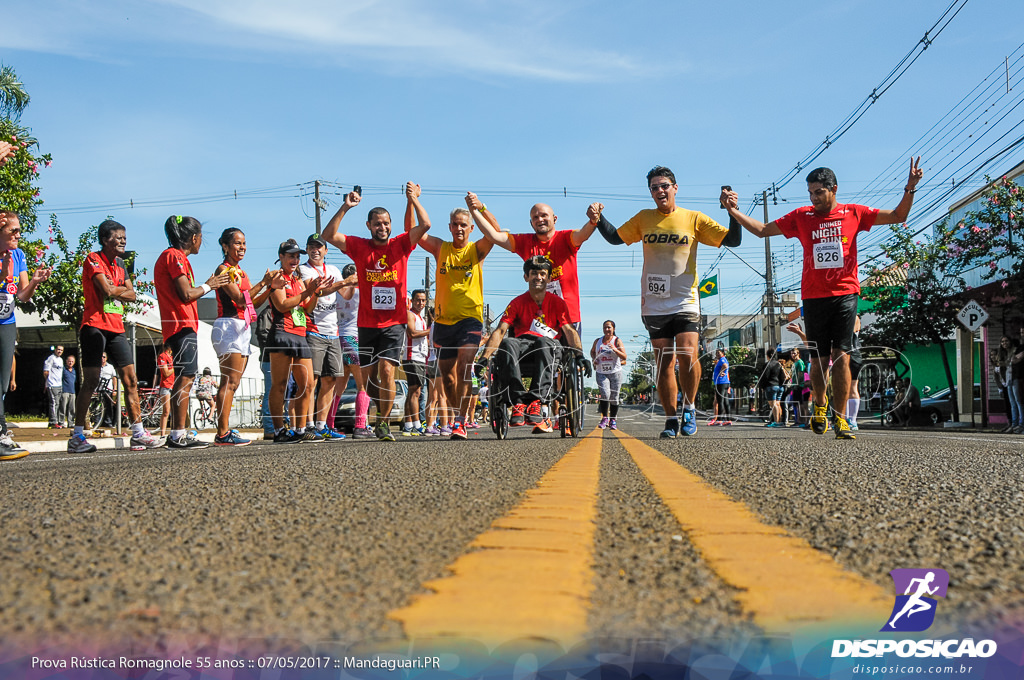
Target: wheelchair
<point>569,396</point>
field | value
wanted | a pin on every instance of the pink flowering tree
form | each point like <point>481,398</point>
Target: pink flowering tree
<point>917,292</point>
<point>991,239</point>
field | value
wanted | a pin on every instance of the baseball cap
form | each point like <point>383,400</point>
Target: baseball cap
<point>316,238</point>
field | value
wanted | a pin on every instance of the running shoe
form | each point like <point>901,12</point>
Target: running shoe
<point>79,444</point>
<point>671,430</point>
<point>854,427</point>
<point>446,430</point>
<point>330,435</point>
<point>229,439</point>
<point>432,431</point>
<point>612,425</point>
<point>726,423</point>
<point>713,422</point>
<point>187,441</point>
<point>843,429</point>
<point>819,419</point>
<point>409,432</point>
<point>287,436</point>
<point>310,436</point>
<point>383,432</point>
<point>473,425</point>
<point>459,432</point>
<point>518,415</point>
<point>533,412</point>
<point>543,427</point>
<point>603,424</point>
<point>363,433</point>
<point>689,422</point>
<point>147,441</point>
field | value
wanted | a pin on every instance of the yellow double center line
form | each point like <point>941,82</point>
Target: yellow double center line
<point>530,575</point>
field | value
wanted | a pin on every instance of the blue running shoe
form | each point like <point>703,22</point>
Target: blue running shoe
<point>689,422</point>
<point>329,435</point>
<point>671,429</point>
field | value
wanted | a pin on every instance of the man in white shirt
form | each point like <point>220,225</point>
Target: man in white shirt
<point>53,376</point>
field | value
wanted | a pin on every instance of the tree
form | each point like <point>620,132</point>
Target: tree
<point>992,238</point>
<point>918,295</point>
<point>13,97</point>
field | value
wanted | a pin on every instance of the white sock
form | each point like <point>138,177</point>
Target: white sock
<point>138,430</point>
<point>407,426</point>
<point>177,434</point>
<point>321,424</point>
<point>852,407</point>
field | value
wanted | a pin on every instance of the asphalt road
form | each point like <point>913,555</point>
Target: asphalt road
<point>341,541</point>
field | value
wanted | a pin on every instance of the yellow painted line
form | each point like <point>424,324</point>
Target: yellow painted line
<point>784,582</point>
<point>529,575</point>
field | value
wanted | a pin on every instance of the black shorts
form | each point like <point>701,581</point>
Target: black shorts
<point>415,373</point>
<point>95,341</point>
<point>381,343</point>
<point>288,344</point>
<point>185,349</point>
<point>668,326</point>
<point>855,367</point>
<point>829,324</point>
<point>449,338</point>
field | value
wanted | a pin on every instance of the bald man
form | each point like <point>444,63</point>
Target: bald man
<point>559,247</point>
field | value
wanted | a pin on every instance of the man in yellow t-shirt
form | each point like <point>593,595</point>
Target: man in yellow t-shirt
<point>458,305</point>
<point>669,306</point>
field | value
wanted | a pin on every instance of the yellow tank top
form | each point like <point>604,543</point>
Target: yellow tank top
<point>460,285</point>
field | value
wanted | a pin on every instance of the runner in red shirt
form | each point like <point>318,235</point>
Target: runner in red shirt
<point>107,287</point>
<point>165,370</point>
<point>559,247</point>
<point>177,294</point>
<point>828,230</point>
<point>381,265</point>
<point>538,320</point>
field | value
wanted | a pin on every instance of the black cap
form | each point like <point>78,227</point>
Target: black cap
<point>288,247</point>
<point>316,238</point>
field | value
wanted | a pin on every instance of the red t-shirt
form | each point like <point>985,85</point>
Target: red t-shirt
<point>382,274</point>
<point>561,252</point>
<point>175,315</point>
<point>165,359</point>
<point>226,307</point>
<point>99,311</point>
<point>525,317</point>
<point>830,247</point>
<point>294,320</point>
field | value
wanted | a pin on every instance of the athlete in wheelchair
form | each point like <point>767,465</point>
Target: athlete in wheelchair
<point>539,321</point>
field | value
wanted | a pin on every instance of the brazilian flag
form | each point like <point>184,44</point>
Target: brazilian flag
<point>708,287</point>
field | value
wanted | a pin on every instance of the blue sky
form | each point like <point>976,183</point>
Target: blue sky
<point>170,101</point>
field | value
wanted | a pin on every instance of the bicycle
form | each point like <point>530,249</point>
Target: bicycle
<point>150,407</point>
<point>204,415</point>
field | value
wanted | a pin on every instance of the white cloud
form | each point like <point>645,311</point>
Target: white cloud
<point>467,36</point>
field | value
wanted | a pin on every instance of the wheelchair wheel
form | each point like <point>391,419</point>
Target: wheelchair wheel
<point>499,420</point>
<point>573,409</point>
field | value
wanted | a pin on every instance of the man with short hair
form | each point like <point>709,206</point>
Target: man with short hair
<point>459,305</point>
<point>381,264</point>
<point>68,388</point>
<point>53,373</point>
<point>322,334</point>
<point>538,320</point>
<point>828,230</point>
<point>559,247</point>
<point>669,306</point>
<point>107,287</point>
<point>414,362</point>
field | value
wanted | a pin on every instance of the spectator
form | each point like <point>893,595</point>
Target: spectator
<point>108,380</point>
<point>910,405</point>
<point>165,367</point>
<point>205,387</point>
<point>69,383</point>
<point>53,369</point>
<point>772,380</point>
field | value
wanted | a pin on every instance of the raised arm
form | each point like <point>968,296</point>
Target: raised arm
<point>431,244</point>
<point>487,222</point>
<point>579,236</point>
<point>902,210</point>
<point>422,220</point>
<point>330,233</point>
<point>27,286</point>
<point>731,200</point>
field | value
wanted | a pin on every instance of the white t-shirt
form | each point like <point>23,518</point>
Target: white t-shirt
<point>325,314</point>
<point>55,365</point>
<point>348,314</point>
<point>418,349</point>
<point>108,374</point>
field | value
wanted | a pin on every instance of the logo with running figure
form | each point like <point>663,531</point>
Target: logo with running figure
<point>914,609</point>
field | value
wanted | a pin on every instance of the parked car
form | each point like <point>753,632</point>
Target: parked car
<point>936,407</point>
<point>345,416</point>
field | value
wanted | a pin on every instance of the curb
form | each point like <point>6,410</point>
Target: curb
<point>114,443</point>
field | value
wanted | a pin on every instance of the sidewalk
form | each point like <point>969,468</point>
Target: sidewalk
<point>38,439</point>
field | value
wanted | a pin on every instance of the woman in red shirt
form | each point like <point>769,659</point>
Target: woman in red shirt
<point>232,333</point>
<point>177,294</point>
<point>287,346</point>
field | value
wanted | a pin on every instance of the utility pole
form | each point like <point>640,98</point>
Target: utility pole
<point>320,204</point>
<point>769,286</point>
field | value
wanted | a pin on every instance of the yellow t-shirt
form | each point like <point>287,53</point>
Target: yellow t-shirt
<point>460,285</point>
<point>669,280</point>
